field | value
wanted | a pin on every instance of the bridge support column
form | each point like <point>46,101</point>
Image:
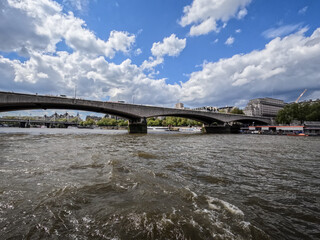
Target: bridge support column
<point>24,125</point>
<point>137,126</point>
<point>221,129</point>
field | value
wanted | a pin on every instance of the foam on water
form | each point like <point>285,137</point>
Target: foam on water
<point>217,204</point>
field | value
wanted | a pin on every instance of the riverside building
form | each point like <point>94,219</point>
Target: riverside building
<point>179,105</point>
<point>263,107</point>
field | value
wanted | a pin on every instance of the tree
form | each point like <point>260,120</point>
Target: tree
<point>88,122</point>
<point>107,122</point>
<point>237,111</point>
<point>299,111</point>
<point>177,121</point>
<point>283,117</point>
<point>122,123</point>
<point>62,120</point>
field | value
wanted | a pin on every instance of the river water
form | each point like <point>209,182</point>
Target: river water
<point>105,184</point>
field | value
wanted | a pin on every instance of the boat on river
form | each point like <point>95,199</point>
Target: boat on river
<point>298,134</point>
<point>190,129</point>
<point>158,128</point>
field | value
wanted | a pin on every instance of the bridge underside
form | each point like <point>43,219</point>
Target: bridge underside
<point>204,119</point>
<point>136,124</point>
<point>215,121</point>
<point>35,106</point>
<point>251,121</point>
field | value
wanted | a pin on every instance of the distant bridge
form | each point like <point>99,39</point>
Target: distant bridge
<point>27,122</point>
<point>136,114</point>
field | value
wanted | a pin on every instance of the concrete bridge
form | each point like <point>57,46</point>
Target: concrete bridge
<point>136,114</point>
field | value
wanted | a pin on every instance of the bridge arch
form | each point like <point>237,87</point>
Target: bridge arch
<point>248,120</point>
<point>136,114</point>
<point>45,106</point>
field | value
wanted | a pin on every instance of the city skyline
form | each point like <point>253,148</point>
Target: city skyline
<point>201,52</point>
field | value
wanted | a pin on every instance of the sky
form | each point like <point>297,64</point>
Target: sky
<point>160,52</point>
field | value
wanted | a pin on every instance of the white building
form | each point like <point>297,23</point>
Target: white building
<point>179,105</point>
<point>266,107</point>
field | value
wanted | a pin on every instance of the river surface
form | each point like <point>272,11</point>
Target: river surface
<point>106,184</point>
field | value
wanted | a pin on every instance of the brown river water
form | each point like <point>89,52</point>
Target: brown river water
<point>107,184</point>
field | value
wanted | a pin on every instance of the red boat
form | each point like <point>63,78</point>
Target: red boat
<point>298,135</point>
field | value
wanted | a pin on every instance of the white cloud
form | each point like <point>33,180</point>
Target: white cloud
<point>204,15</point>
<point>238,31</point>
<point>79,5</point>
<point>303,10</point>
<point>171,46</point>
<point>281,31</point>
<point>94,76</point>
<point>283,66</point>
<point>203,28</point>
<point>120,41</point>
<point>242,13</point>
<point>137,52</point>
<point>40,25</point>
<point>229,41</point>
<point>151,63</point>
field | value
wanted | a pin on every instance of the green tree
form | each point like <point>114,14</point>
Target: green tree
<point>107,122</point>
<point>103,122</point>
<point>283,117</point>
<point>88,122</point>
<point>171,121</point>
<point>299,111</point>
<point>62,120</point>
<point>237,111</point>
<point>154,122</point>
<point>314,112</point>
<point>177,121</point>
<point>74,119</point>
<point>122,123</point>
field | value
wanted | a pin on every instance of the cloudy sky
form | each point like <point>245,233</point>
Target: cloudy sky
<point>159,52</point>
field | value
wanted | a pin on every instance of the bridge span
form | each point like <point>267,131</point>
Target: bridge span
<point>136,114</point>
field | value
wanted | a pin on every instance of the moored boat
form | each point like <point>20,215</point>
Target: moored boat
<point>298,134</point>
<point>158,128</point>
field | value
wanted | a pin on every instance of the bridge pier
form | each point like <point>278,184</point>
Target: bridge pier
<point>24,125</point>
<point>137,125</point>
<point>221,129</point>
